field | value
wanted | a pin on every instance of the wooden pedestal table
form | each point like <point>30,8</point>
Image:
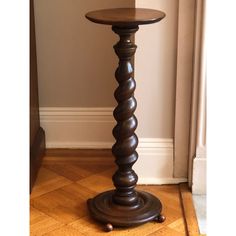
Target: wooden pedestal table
<point>125,206</point>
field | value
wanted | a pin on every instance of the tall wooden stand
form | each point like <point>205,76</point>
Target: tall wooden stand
<point>125,206</point>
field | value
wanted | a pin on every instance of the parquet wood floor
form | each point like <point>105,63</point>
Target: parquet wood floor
<point>65,182</point>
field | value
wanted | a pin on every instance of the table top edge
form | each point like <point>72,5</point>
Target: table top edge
<point>109,21</point>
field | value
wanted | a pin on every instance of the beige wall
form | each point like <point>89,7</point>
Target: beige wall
<point>76,61</point>
<point>76,66</point>
<point>155,71</point>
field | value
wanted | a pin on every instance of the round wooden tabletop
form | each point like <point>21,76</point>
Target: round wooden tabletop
<point>125,16</point>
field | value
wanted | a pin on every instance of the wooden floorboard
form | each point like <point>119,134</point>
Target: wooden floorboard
<point>188,210</point>
<point>64,183</point>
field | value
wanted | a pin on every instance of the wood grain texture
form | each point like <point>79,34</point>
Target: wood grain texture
<point>124,206</point>
<point>66,230</point>
<point>47,181</point>
<point>125,16</point>
<point>58,204</point>
<point>189,211</point>
<point>41,223</point>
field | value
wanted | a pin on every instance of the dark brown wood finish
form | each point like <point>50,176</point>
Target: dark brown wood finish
<point>125,206</point>
<point>37,136</point>
<point>125,16</point>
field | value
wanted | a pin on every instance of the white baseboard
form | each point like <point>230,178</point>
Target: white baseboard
<point>155,163</point>
<point>199,171</point>
<point>199,176</point>
<point>160,181</point>
<point>92,128</point>
<point>72,127</point>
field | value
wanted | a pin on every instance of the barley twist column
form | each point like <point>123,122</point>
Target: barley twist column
<point>124,206</point>
<point>125,178</point>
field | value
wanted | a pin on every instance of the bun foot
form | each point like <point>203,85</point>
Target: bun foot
<point>108,227</point>
<point>160,218</point>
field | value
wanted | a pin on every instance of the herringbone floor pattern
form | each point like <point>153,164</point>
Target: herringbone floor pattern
<point>64,183</point>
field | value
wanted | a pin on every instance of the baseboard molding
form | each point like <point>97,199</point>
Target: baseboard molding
<point>90,128</point>
<point>199,176</point>
<point>80,145</point>
<point>160,181</point>
<point>155,163</point>
<point>72,127</point>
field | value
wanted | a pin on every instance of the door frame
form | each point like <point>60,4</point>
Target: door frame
<point>184,79</point>
<point>190,87</point>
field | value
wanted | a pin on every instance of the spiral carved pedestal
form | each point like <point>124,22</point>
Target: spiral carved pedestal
<point>125,206</point>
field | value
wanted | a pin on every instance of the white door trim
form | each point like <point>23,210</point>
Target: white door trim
<point>185,46</point>
<point>197,152</point>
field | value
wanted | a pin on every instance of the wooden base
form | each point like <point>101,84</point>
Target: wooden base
<point>36,155</point>
<point>103,209</point>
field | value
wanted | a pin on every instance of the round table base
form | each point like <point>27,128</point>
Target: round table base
<point>103,209</point>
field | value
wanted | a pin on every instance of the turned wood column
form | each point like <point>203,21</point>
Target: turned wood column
<point>125,178</point>
<point>124,206</point>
